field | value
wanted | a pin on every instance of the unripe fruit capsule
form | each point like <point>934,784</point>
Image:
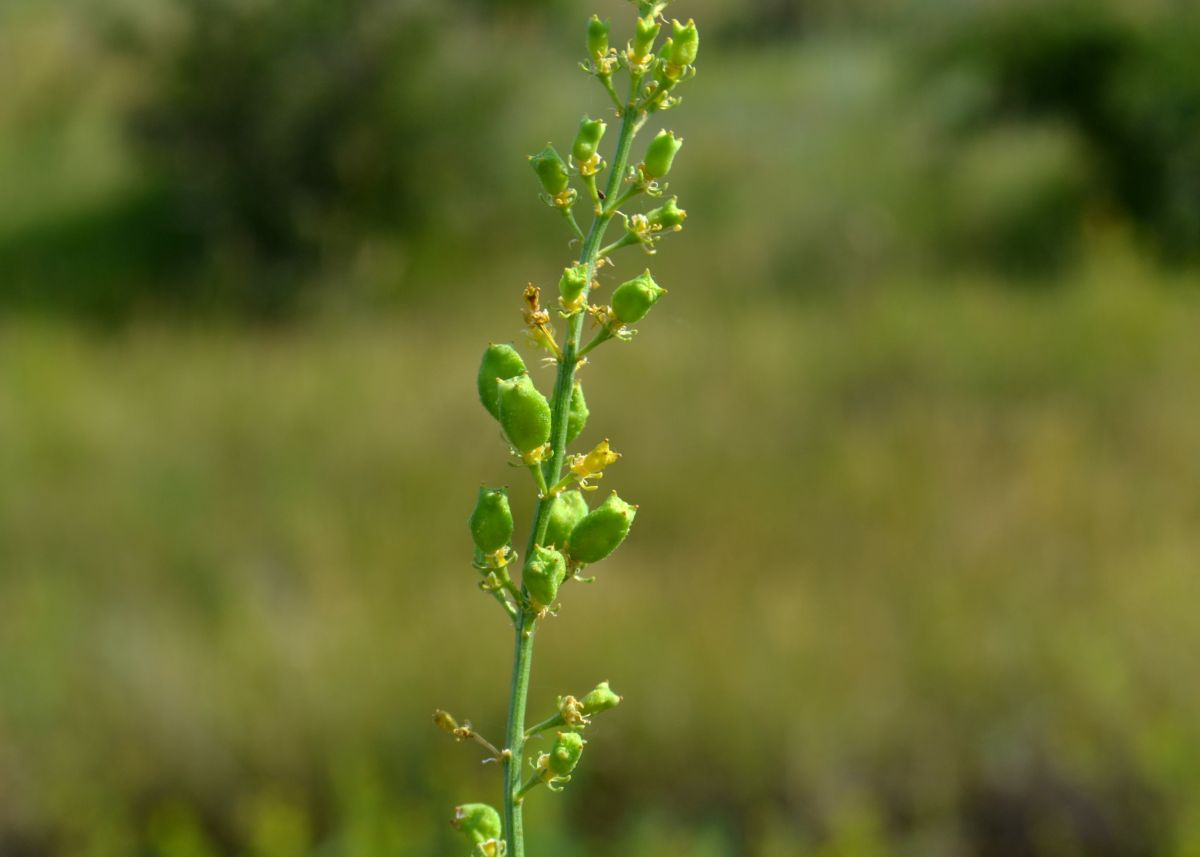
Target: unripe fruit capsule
<point>599,698</point>
<point>491,521</point>
<point>565,753</point>
<point>668,215</point>
<point>685,43</point>
<point>632,300</point>
<point>577,414</point>
<point>597,37</point>
<point>572,283</point>
<point>567,510</point>
<point>524,413</point>
<point>500,362</point>
<point>545,570</point>
<point>587,139</point>
<point>478,821</point>
<point>551,170</point>
<point>644,35</point>
<point>602,530</point>
<point>660,154</point>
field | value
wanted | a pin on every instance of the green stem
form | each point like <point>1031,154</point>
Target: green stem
<point>559,406</point>
<point>548,723</point>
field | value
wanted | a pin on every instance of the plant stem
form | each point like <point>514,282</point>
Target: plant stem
<point>560,404</point>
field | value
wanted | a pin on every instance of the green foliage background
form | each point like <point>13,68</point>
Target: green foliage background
<point>913,433</point>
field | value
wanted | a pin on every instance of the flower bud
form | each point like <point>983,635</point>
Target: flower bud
<point>551,170</point>
<point>524,413</point>
<point>478,821</point>
<point>587,139</point>
<point>685,43</point>
<point>668,215</point>
<point>643,38</point>
<point>599,698</point>
<point>577,414</point>
<point>500,362</point>
<point>565,753</point>
<point>660,154</point>
<point>445,721</point>
<point>572,284</point>
<point>545,570</point>
<point>492,521</point>
<point>632,299</point>
<point>597,37</point>
<point>566,510</point>
<point>602,530</point>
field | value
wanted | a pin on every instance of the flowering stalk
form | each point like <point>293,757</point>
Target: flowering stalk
<point>566,535</point>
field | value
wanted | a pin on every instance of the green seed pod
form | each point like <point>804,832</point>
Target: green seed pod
<point>551,170</point>
<point>565,753</point>
<point>545,570</point>
<point>524,413</point>
<point>587,139</point>
<point>478,821</point>
<point>685,43</point>
<point>577,415</point>
<point>668,216</point>
<point>644,35</point>
<point>632,299</point>
<point>602,530</point>
<point>567,510</point>
<point>492,521</point>
<point>597,37</point>
<point>500,362</point>
<point>599,698</point>
<point>572,283</point>
<point>660,154</point>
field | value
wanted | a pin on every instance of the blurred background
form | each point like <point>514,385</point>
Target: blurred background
<point>914,434</point>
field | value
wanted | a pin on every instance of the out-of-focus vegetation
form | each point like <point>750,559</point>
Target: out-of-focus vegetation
<point>921,565</point>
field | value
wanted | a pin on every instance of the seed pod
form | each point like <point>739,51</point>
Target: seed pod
<point>599,698</point>
<point>587,139</point>
<point>577,415</point>
<point>597,37</point>
<point>545,570</point>
<point>572,283</point>
<point>551,170</point>
<point>500,362</point>
<point>644,35</point>
<point>668,215</point>
<point>524,413</point>
<point>632,300</point>
<point>602,530</point>
<point>567,510</point>
<point>491,521</point>
<point>565,753</point>
<point>660,154</point>
<point>685,43</point>
<point>478,821</point>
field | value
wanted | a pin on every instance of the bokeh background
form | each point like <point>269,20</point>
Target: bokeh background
<point>914,434</point>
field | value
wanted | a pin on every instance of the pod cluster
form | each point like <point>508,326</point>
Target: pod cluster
<point>539,422</point>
